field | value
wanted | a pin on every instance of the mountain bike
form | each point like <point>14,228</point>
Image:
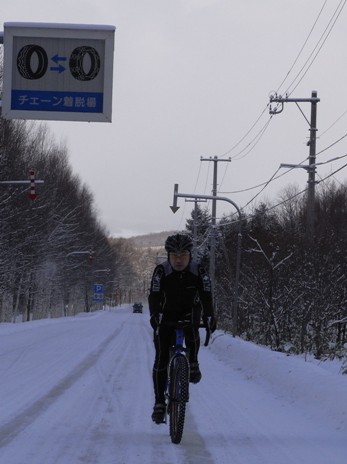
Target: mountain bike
<point>177,389</point>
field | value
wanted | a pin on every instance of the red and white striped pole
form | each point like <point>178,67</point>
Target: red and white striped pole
<point>32,195</point>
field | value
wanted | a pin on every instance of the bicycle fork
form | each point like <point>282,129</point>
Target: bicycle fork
<point>178,360</point>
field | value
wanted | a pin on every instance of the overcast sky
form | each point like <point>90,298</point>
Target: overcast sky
<point>192,79</point>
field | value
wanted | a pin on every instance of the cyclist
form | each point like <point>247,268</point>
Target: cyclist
<point>180,289</point>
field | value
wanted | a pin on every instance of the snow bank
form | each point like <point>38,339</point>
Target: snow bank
<point>307,383</point>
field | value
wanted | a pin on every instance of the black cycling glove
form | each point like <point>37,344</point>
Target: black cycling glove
<point>154,321</point>
<point>210,322</point>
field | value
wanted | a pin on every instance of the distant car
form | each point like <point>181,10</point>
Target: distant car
<point>137,308</point>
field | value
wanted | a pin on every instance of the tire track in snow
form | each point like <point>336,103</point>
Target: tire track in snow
<point>124,375</point>
<point>10,430</point>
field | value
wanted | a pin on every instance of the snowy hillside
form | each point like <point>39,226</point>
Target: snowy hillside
<point>78,390</point>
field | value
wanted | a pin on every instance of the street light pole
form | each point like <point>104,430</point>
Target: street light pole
<point>212,269</point>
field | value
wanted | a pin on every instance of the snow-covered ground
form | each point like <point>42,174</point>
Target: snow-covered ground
<point>78,390</point>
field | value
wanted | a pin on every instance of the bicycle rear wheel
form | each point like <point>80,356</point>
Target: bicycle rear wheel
<point>179,395</point>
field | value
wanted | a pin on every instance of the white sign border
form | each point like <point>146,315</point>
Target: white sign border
<point>69,31</point>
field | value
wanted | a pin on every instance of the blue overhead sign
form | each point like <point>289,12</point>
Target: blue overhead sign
<point>58,71</point>
<point>37,100</point>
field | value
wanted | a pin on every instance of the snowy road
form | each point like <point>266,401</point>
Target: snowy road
<point>78,390</point>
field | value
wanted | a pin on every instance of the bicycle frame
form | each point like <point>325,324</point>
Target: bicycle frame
<point>179,341</point>
<point>177,349</point>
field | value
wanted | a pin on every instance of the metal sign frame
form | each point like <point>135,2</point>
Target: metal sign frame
<point>58,71</point>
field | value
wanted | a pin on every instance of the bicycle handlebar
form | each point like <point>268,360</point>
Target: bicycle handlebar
<point>183,324</point>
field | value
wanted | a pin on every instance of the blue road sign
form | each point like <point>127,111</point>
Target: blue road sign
<point>98,292</point>
<point>98,288</point>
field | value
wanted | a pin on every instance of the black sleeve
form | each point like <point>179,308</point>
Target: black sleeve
<point>155,293</point>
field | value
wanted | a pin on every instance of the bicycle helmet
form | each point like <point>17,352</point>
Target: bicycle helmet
<point>178,242</point>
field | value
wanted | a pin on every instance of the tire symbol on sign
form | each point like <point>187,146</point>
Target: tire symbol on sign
<point>84,63</point>
<point>25,59</point>
<point>77,62</point>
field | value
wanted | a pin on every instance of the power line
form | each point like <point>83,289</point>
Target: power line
<point>333,124</point>
<point>255,140</point>
<point>274,177</point>
<point>303,46</point>
<point>289,92</point>
<point>197,178</point>
<point>288,73</point>
<point>332,144</point>
<point>270,208</point>
<point>245,135</point>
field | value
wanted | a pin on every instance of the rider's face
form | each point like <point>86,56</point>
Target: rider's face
<point>179,261</point>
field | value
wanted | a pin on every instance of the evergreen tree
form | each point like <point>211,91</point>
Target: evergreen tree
<point>198,226</point>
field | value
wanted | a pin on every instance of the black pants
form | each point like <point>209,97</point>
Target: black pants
<point>163,340</point>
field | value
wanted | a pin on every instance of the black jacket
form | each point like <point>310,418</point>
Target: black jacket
<point>178,294</point>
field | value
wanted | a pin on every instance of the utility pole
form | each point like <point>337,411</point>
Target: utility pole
<point>311,168</point>
<point>212,269</point>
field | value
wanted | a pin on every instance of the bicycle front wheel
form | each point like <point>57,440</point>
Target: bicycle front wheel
<point>179,395</point>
